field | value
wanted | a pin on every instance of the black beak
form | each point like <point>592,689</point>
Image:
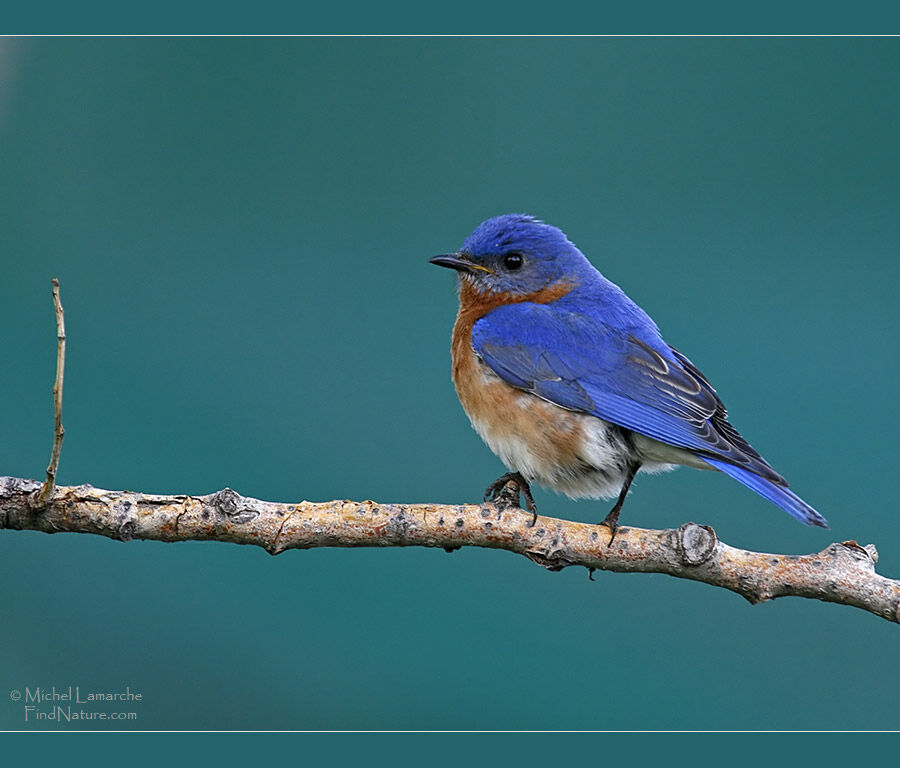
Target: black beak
<point>453,261</point>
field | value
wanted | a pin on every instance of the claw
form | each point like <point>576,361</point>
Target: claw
<point>506,490</point>
<point>611,521</point>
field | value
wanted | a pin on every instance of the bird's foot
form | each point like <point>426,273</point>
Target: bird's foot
<point>505,492</point>
<point>611,521</point>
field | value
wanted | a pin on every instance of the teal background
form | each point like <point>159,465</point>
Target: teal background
<point>241,228</point>
<point>709,17</point>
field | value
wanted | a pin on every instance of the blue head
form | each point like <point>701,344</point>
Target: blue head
<point>517,255</point>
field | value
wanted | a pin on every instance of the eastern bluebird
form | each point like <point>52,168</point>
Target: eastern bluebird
<point>570,383</point>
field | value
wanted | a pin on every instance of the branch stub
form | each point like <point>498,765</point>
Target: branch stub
<point>696,543</point>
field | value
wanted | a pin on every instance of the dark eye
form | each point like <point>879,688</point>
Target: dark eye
<point>513,261</point>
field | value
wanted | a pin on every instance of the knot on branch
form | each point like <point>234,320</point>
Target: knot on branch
<point>694,543</point>
<point>127,530</point>
<point>232,505</point>
<point>853,552</point>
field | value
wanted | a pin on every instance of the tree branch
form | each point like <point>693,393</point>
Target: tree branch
<point>841,573</point>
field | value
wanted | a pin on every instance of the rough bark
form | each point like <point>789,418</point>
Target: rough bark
<point>841,573</point>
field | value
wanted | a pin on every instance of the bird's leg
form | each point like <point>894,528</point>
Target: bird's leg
<point>497,492</point>
<point>611,521</point>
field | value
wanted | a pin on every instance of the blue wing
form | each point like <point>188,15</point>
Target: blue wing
<point>627,376</point>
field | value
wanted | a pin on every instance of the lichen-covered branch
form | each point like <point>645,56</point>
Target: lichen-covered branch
<point>841,573</point>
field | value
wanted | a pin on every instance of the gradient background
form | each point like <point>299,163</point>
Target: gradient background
<point>241,228</point>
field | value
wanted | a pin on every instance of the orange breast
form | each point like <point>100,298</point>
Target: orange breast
<point>529,434</point>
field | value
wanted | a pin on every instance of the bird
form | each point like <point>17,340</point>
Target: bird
<point>570,383</point>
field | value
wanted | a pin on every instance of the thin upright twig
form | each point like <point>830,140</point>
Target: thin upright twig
<point>58,430</point>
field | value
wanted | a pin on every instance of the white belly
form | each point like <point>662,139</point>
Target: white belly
<point>592,462</point>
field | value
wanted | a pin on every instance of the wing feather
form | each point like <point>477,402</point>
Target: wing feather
<point>630,378</point>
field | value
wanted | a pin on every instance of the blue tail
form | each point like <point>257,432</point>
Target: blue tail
<point>785,498</point>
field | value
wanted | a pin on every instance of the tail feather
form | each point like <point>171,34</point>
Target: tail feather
<point>781,496</point>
